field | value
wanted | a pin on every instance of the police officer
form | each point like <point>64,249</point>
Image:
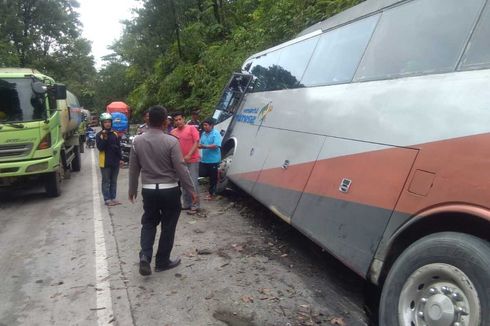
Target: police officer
<point>158,158</point>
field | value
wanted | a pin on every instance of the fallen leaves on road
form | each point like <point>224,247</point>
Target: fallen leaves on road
<point>204,251</point>
<point>237,247</point>
<point>247,299</point>
<point>337,321</point>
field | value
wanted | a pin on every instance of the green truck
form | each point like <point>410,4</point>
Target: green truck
<point>39,136</point>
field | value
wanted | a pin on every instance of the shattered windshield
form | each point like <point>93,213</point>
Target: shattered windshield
<point>19,103</point>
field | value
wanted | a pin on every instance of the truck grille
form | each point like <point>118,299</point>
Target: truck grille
<point>15,150</point>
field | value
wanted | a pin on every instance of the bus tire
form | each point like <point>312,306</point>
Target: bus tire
<point>76,164</point>
<point>52,183</point>
<point>436,276</point>
<point>223,182</point>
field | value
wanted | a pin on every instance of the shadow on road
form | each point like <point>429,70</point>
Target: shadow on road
<point>301,251</point>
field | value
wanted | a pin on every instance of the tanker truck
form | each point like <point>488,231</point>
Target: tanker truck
<point>39,140</point>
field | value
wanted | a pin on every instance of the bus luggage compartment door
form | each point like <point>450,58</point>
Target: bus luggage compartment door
<point>286,170</point>
<point>350,197</point>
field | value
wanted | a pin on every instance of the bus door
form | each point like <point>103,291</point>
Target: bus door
<point>283,177</point>
<point>230,101</point>
<point>350,197</point>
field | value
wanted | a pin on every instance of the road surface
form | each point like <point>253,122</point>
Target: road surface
<point>73,261</point>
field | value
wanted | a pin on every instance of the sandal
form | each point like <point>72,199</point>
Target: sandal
<point>209,197</point>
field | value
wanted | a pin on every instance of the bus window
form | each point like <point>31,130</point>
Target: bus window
<point>338,53</point>
<point>423,36</point>
<point>292,63</point>
<point>231,97</point>
<point>263,68</point>
<point>478,53</point>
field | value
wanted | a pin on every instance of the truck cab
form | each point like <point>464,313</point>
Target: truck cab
<point>38,130</point>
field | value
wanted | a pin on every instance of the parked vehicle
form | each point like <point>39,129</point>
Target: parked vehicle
<point>82,127</point>
<point>39,137</point>
<point>91,138</point>
<point>369,133</point>
<point>125,147</point>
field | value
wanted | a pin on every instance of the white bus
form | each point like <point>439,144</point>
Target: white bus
<point>370,133</point>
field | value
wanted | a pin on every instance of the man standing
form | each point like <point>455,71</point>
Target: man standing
<point>211,154</point>
<point>157,156</point>
<point>194,121</point>
<point>109,158</point>
<point>188,137</point>
<point>144,127</point>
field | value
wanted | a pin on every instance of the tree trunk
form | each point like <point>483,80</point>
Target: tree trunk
<point>176,26</point>
<point>216,11</point>
<point>25,11</point>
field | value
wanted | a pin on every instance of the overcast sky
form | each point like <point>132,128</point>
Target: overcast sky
<point>101,23</point>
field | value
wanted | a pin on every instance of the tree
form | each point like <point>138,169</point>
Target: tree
<point>181,53</point>
<point>45,34</point>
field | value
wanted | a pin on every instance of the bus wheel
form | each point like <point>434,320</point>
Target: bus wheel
<point>52,182</point>
<point>76,164</point>
<point>442,279</point>
<point>223,181</point>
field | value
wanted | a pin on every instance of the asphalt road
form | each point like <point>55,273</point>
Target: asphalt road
<point>73,261</point>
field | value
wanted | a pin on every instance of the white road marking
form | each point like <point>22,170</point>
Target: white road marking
<point>105,312</point>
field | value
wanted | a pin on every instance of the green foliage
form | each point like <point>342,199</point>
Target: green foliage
<point>111,85</point>
<point>45,35</point>
<point>181,53</point>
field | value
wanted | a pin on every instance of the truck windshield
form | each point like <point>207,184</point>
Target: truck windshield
<point>18,103</point>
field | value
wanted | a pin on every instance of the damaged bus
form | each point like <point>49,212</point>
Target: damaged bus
<point>370,133</point>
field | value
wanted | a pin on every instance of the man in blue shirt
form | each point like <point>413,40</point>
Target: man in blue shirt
<point>211,155</point>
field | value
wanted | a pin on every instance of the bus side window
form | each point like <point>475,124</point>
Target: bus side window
<point>478,53</point>
<point>292,63</point>
<point>419,37</point>
<point>338,53</point>
<point>263,69</point>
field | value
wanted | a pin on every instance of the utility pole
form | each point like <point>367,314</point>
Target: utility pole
<point>177,34</point>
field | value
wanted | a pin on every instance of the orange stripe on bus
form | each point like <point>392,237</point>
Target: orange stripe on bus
<point>460,166</point>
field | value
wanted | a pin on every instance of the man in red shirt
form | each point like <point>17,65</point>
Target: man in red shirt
<point>189,141</point>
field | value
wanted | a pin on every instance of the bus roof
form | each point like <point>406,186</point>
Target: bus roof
<point>363,9</point>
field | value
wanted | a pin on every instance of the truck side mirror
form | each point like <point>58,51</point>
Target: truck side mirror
<point>59,91</point>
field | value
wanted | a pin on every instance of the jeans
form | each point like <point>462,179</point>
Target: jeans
<point>109,182</point>
<point>186,196</point>
<point>160,206</point>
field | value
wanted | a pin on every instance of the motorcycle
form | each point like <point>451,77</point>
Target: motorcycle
<point>126,147</point>
<point>90,139</point>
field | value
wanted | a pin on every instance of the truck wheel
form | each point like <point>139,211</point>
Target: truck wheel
<point>52,183</point>
<point>442,279</point>
<point>223,181</point>
<point>76,164</point>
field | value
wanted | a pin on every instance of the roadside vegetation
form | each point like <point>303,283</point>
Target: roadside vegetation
<point>177,53</point>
